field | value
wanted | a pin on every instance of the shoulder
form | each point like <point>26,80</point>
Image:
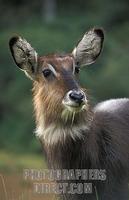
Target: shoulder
<point>112,115</point>
<point>112,106</point>
<point>111,124</point>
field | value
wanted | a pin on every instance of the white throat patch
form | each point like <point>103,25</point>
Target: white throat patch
<point>53,134</point>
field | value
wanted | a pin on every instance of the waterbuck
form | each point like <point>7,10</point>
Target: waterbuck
<point>74,134</point>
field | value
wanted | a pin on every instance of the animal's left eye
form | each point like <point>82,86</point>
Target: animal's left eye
<point>47,72</point>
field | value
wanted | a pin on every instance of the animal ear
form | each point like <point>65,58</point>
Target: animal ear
<point>24,56</point>
<point>89,47</point>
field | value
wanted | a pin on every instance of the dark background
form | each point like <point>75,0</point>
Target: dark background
<point>56,26</point>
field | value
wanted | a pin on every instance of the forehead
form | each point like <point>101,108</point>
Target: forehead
<point>57,61</point>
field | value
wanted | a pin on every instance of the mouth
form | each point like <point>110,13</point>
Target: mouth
<point>74,107</point>
<point>71,109</point>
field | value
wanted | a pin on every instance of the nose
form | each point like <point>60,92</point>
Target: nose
<point>77,96</point>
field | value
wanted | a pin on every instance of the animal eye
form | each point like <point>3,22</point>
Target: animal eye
<point>47,72</point>
<point>77,70</point>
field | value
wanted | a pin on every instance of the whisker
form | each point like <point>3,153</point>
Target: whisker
<point>73,116</point>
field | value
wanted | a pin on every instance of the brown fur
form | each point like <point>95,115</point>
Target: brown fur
<point>48,95</point>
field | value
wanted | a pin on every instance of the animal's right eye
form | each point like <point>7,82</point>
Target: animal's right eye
<point>77,70</point>
<point>47,72</point>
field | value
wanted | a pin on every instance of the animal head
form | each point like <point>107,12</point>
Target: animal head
<point>57,93</point>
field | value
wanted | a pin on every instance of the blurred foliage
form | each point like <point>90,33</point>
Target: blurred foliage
<point>108,78</point>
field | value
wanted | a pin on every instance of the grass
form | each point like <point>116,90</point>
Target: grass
<point>13,185</point>
<point>96,193</point>
<point>12,162</point>
<point>11,188</point>
<point>4,186</point>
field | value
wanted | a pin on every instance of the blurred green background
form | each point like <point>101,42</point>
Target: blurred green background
<point>56,26</point>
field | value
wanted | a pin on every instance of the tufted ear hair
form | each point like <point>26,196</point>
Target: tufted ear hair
<point>89,47</point>
<point>24,55</point>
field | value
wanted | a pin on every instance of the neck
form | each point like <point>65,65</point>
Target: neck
<point>69,146</point>
<point>59,131</point>
<point>55,133</point>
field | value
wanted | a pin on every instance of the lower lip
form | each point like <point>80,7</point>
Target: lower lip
<point>75,105</point>
<point>75,108</point>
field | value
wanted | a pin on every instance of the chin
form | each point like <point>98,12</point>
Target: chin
<point>70,113</point>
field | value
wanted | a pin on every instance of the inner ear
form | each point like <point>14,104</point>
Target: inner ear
<point>24,55</point>
<point>89,47</point>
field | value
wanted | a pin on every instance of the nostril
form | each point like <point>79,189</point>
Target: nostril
<point>81,96</point>
<point>73,96</point>
<point>78,97</point>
